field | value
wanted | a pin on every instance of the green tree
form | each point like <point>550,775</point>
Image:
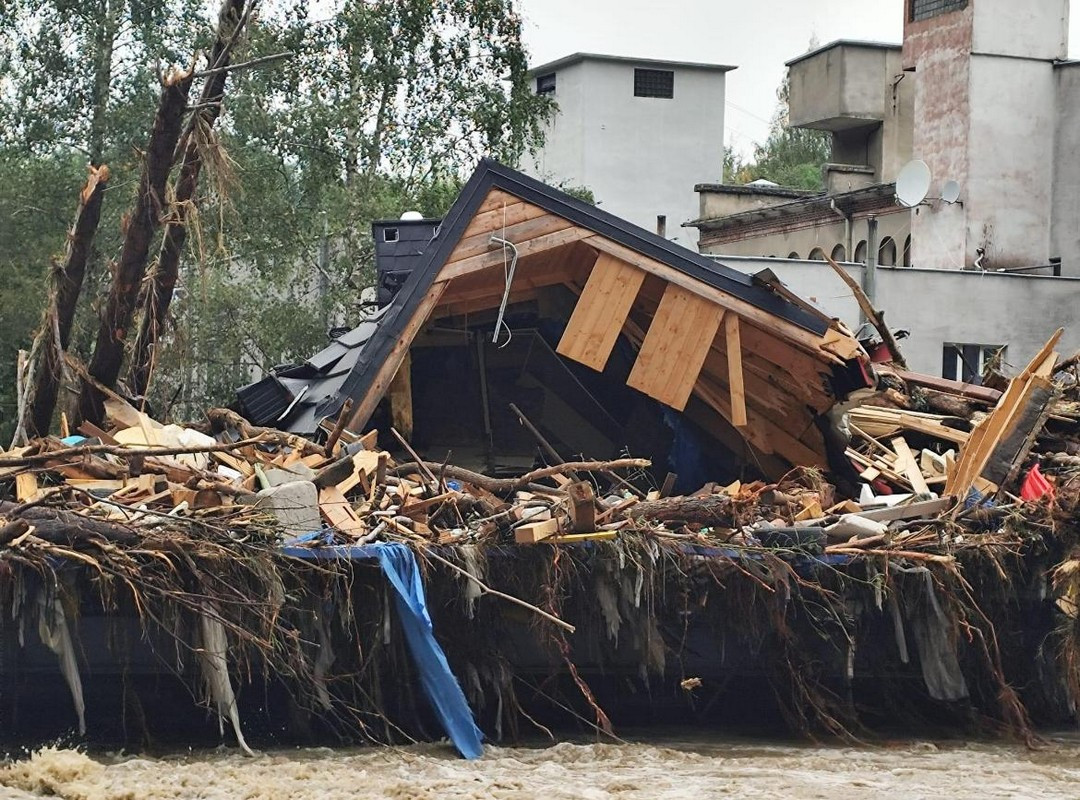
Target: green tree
<point>790,156</point>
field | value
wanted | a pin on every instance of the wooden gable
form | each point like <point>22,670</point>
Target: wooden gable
<point>740,366</point>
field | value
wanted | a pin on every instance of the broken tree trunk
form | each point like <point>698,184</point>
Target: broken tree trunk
<point>159,291</point>
<point>141,224</point>
<point>714,509</point>
<point>877,318</point>
<point>67,280</point>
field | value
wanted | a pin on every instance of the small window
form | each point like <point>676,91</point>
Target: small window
<point>793,255</point>
<point>654,83</point>
<point>925,9</point>
<point>817,254</point>
<point>967,362</point>
<point>390,234</point>
<point>860,252</point>
<point>906,260</point>
<point>839,253</point>
<point>545,84</point>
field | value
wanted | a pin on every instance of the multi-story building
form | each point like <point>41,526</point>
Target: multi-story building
<point>637,133</point>
<point>982,93</point>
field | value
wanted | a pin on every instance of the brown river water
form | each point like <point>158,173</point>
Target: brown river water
<point>692,768</point>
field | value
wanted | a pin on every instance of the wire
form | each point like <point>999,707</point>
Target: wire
<point>508,277</point>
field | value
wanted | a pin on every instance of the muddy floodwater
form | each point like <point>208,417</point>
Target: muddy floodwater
<point>679,768</point>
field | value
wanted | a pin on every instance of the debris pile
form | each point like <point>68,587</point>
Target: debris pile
<point>205,527</point>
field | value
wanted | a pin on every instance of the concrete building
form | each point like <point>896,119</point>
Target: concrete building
<point>981,92</point>
<point>638,133</point>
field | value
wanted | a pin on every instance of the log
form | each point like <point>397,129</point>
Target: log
<point>67,279</point>
<point>123,450</point>
<point>54,525</point>
<point>158,294</point>
<point>714,509</point>
<point>222,418</point>
<point>141,225</point>
<point>504,485</point>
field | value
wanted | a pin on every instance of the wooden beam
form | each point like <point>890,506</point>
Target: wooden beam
<point>993,428</point>
<point>735,370</point>
<point>401,404</point>
<point>467,266</point>
<point>675,347</point>
<point>496,198</point>
<point>388,369</point>
<point>495,219</point>
<point>600,312</point>
<point>519,233</point>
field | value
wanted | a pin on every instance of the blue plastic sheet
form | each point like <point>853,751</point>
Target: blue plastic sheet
<point>440,685</point>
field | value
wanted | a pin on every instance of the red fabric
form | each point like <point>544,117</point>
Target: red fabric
<point>1035,485</point>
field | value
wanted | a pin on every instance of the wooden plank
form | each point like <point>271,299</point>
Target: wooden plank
<point>518,234</point>
<point>981,393</point>
<point>675,347</point>
<point>335,509</point>
<point>536,531</point>
<point>26,487</point>
<point>906,463</point>
<point>735,370</point>
<point>570,538</point>
<point>366,407</point>
<point>401,401</point>
<point>919,510</point>
<point>762,432</point>
<point>994,427</point>
<point>495,258</point>
<point>492,284</point>
<point>805,340</point>
<point>600,312</point>
<point>497,198</point>
<point>494,220</point>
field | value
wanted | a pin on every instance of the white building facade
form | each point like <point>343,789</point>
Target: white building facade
<point>637,133</point>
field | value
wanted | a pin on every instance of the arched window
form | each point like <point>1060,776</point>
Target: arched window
<point>793,254</point>
<point>907,252</point>
<point>860,252</point>
<point>839,253</point>
<point>817,254</point>
<point>886,253</point>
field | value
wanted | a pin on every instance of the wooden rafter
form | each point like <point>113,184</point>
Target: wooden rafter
<point>735,370</point>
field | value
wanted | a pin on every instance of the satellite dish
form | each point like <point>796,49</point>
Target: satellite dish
<point>913,183</point>
<point>411,216</point>
<point>950,192</point>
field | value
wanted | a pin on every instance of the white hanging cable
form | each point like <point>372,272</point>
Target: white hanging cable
<point>508,277</point>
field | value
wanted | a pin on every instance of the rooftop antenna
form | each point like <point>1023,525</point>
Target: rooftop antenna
<point>913,183</point>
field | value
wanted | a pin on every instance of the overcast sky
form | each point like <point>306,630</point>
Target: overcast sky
<point>756,36</point>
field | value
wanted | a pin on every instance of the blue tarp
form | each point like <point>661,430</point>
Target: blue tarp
<point>442,688</point>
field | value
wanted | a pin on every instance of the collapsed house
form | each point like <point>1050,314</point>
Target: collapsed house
<point>527,305</point>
